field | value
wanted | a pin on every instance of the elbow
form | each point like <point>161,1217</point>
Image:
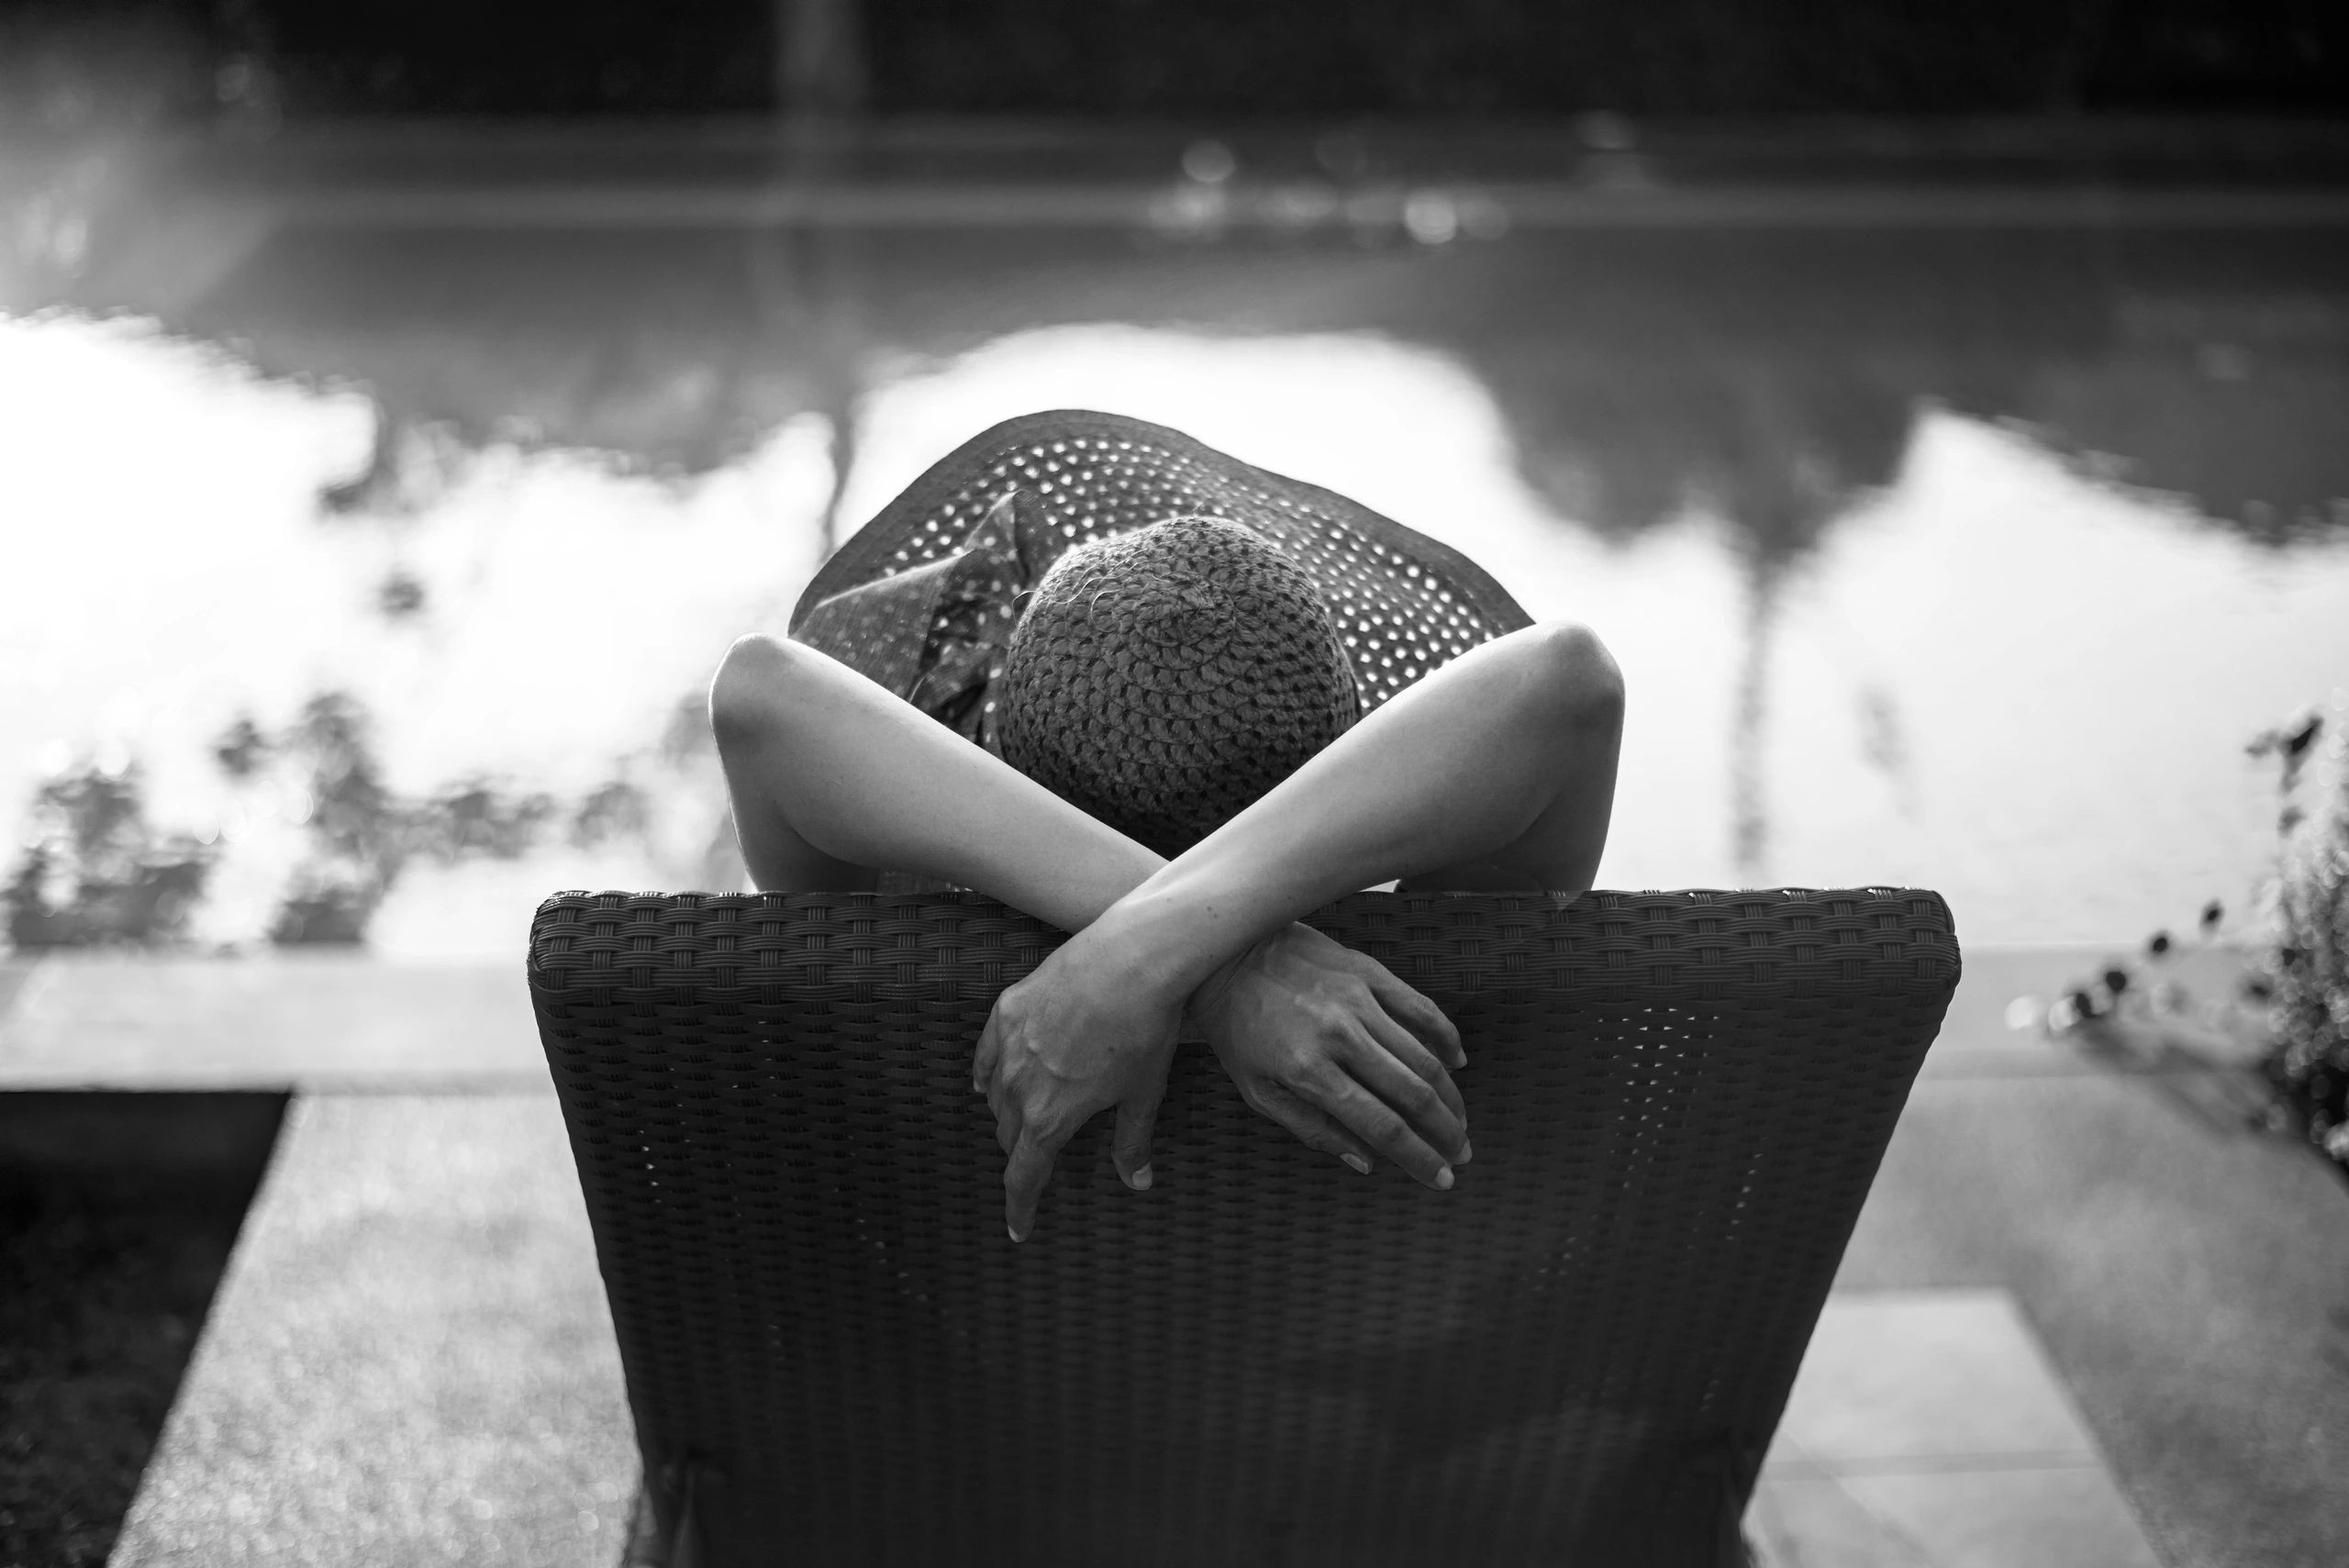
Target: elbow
<point>1579,684</point>
<point>750,689</point>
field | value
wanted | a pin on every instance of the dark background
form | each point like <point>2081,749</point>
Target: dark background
<point>1172,57</point>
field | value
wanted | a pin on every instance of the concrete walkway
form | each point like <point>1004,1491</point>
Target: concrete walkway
<point>296,1021</point>
<point>1928,1430</point>
<point>410,1364</point>
<point>332,1021</point>
<point>409,1361</point>
<point>2086,1318</point>
<point>2191,1282</point>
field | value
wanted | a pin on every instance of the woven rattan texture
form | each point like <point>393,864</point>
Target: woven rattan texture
<point>1403,603</point>
<point>1679,1101</point>
<point>1164,680</point>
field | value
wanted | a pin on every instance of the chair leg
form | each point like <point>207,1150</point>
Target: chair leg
<point>680,1547</point>
<point>645,1549</point>
<point>684,1543</point>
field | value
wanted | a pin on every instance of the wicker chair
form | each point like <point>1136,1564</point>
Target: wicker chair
<point>1576,1356</point>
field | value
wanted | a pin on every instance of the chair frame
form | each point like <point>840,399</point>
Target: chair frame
<point>1579,1354</point>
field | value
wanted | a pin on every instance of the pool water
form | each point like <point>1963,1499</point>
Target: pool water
<point>1962,559</point>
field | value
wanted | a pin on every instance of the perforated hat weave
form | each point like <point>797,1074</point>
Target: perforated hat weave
<point>1164,679</point>
<point>1402,603</point>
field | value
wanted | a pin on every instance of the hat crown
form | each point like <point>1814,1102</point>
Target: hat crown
<point>1164,679</point>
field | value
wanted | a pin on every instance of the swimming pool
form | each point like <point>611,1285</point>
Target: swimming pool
<point>385,567</point>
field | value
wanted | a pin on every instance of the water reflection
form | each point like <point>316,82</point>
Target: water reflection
<point>1631,368</point>
<point>1966,562</point>
<point>171,572</point>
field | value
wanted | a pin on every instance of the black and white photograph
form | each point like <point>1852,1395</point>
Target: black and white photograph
<point>1170,783</point>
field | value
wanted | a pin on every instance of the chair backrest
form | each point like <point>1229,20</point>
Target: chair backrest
<point>1579,1354</point>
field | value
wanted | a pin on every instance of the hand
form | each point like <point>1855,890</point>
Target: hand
<point>1079,1035</point>
<point>1326,1041</point>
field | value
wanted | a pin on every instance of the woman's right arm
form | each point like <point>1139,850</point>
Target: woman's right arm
<point>832,775</point>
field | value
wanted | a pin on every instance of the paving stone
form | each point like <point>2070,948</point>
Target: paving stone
<point>13,972</point>
<point>2189,1277</point>
<point>348,1019</point>
<point>1928,1429</point>
<point>410,1362</point>
<point>1900,1376</point>
<point>296,1020</point>
<point>1813,1522</point>
<point>2005,1518</point>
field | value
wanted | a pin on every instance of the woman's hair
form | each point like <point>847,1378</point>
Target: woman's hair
<point>1164,679</point>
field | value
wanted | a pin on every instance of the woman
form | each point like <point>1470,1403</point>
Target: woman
<point>964,613</point>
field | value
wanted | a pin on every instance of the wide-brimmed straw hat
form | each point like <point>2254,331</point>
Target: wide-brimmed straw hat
<point>923,598</point>
<point>1165,679</point>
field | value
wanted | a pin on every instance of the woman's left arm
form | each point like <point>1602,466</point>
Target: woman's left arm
<point>1497,769</point>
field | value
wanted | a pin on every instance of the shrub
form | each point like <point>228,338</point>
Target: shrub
<point>2303,974</point>
<point>94,871</point>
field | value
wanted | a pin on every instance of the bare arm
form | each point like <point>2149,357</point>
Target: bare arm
<point>1502,762</point>
<point>1498,770</point>
<point>831,777</point>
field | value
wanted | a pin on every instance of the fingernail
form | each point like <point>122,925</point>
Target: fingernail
<point>1443,1179</point>
<point>1357,1161</point>
<point>1465,1154</point>
<point>1008,1231</point>
<point>1139,1180</point>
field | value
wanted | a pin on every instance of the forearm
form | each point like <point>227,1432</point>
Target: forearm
<point>1503,759</point>
<point>817,755</point>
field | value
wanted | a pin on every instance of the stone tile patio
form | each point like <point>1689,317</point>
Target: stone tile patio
<point>2085,1318</point>
<point>1929,1429</point>
<point>341,1020</point>
<point>298,1020</point>
<point>409,1361</point>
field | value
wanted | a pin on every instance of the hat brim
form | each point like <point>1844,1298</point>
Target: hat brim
<point>1404,604</point>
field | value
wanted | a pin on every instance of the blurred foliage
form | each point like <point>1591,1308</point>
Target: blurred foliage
<point>2304,975</point>
<point>2295,992</point>
<point>362,834</point>
<point>241,749</point>
<point>1340,57</point>
<point>96,871</point>
<point>400,596</point>
<point>1669,56</point>
<point>256,59</point>
<point>618,809</point>
<point>357,830</point>
<point>65,64</point>
<point>69,66</point>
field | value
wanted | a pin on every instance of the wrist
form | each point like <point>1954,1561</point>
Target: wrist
<point>1205,1005</point>
<point>1170,946</point>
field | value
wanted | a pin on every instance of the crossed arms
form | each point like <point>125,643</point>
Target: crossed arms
<point>1496,770</point>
